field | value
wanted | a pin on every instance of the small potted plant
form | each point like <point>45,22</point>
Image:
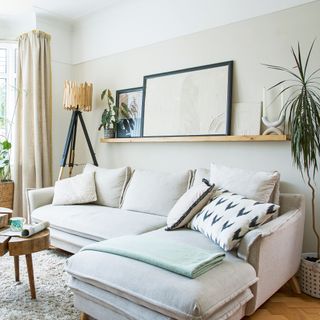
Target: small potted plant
<point>109,115</point>
<point>302,109</point>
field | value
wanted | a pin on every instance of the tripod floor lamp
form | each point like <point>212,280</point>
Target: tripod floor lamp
<point>77,98</point>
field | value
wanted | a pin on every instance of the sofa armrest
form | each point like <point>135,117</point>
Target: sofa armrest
<point>39,197</point>
<point>274,250</point>
<point>263,231</point>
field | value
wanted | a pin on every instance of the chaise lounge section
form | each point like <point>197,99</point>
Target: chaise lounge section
<point>122,288</point>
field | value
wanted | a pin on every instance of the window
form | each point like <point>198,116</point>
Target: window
<point>8,92</point>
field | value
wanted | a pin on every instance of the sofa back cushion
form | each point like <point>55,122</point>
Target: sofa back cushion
<point>260,186</point>
<point>155,192</point>
<point>110,184</point>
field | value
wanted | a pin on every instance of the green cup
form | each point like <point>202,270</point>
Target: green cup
<point>16,223</point>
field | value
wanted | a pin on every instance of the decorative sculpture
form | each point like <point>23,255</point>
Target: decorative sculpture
<point>273,127</point>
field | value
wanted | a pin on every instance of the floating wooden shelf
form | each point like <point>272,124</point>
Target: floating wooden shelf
<point>199,139</point>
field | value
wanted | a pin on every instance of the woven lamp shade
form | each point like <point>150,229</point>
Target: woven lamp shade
<point>77,96</point>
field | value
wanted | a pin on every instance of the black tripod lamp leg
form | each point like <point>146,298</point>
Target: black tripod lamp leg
<point>67,145</point>
<point>93,156</point>
<point>73,144</point>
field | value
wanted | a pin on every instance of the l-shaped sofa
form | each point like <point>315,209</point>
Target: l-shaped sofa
<point>108,286</point>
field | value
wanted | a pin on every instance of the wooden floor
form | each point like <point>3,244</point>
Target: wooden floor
<point>285,305</point>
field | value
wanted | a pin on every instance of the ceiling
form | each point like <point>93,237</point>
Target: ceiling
<point>14,6</point>
<point>66,9</point>
<point>71,9</point>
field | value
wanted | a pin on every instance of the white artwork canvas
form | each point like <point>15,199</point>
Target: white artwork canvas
<point>246,118</point>
<point>187,103</point>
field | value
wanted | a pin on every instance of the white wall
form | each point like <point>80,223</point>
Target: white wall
<point>131,24</point>
<point>11,26</point>
<point>60,32</point>
<point>265,39</point>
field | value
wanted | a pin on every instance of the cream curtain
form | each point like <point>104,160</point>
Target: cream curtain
<point>32,122</point>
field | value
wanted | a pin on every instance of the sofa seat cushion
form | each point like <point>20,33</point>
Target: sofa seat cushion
<point>97,222</point>
<point>168,293</point>
<point>102,304</point>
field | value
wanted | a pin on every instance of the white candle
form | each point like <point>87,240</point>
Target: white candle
<point>264,107</point>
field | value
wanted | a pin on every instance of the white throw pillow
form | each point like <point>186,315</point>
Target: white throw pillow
<point>229,217</point>
<point>259,186</point>
<point>190,203</point>
<point>76,190</point>
<point>155,192</point>
<point>110,184</point>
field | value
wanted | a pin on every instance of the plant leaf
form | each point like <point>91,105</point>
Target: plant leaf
<point>103,93</point>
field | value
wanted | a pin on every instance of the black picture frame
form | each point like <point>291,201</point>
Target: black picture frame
<point>228,98</point>
<point>129,127</point>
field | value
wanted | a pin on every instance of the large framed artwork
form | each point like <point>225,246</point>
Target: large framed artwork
<point>188,102</point>
<point>129,108</point>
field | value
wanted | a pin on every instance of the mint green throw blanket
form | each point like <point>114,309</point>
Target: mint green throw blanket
<point>176,257</point>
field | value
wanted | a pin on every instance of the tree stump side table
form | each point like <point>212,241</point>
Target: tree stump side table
<point>25,246</point>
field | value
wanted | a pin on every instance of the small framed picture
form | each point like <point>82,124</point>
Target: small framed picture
<point>129,106</point>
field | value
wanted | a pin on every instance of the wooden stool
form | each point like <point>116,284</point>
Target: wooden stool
<point>25,246</point>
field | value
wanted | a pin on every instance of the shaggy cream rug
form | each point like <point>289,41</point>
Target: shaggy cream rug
<point>54,298</point>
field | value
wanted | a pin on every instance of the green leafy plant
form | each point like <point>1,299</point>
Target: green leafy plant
<point>5,147</point>
<point>5,144</point>
<point>302,108</point>
<point>109,115</point>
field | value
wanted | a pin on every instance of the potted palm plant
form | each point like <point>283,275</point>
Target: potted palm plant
<point>108,118</point>
<point>302,109</point>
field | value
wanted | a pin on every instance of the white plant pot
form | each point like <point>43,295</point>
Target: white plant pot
<point>309,275</point>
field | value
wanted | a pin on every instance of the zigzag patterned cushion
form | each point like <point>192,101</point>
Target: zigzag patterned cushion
<point>229,217</point>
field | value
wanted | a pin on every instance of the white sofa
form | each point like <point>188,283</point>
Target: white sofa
<point>108,286</point>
